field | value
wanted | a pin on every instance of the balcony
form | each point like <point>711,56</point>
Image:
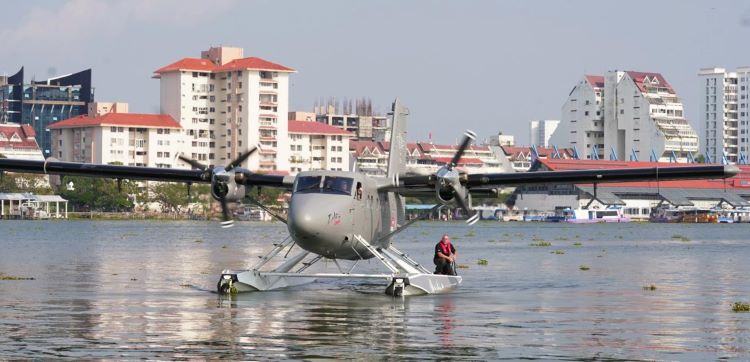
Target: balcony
<point>267,138</point>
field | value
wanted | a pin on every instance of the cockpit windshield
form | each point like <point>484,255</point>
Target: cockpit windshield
<point>308,184</point>
<point>337,185</point>
<point>331,185</point>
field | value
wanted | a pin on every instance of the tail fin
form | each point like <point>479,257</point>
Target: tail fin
<point>398,149</point>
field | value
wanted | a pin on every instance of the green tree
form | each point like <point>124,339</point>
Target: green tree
<point>173,196</point>
<point>100,194</point>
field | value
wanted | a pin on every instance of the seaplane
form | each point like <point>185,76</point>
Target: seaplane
<point>352,216</point>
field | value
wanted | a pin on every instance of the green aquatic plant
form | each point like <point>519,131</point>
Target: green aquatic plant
<point>198,240</point>
<point>741,307</point>
<point>4,276</point>
<point>462,266</point>
<point>223,246</point>
<point>680,237</point>
<point>584,267</point>
<point>577,244</point>
<point>482,262</point>
<point>558,252</point>
<point>491,241</point>
<point>541,243</point>
<point>649,287</point>
<point>562,238</point>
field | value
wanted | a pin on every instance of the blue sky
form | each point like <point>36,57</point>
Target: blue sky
<point>489,66</point>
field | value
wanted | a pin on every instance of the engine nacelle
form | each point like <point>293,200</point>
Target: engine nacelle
<point>224,186</point>
<point>448,187</point>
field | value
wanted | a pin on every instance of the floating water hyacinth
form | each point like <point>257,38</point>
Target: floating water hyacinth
<point>740,307</point>
<point>482,262</point>
<point>584,267</point>
<point>649,287</point>
<point>541,243</point>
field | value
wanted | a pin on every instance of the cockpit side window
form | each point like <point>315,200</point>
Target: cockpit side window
<point>308,184</point>
<point>338,185</point>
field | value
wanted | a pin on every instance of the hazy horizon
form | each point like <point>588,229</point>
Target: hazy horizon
<point>484,65</point>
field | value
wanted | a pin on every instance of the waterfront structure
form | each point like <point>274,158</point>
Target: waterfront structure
<point>153,140</point>
<point>371,157</point>
<point>19,142</point>
<point>227,103</point>
<point>638,199</point>
<point>502,140</point>
<point>626,115</point>
<point>317,146</point>
<point>540,131</point>
<point>41,103</point>
<point>30,206</point>
<point>725,115</point>
<point>520,159</point>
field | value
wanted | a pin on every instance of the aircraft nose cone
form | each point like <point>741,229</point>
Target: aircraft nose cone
<point>318,222</point>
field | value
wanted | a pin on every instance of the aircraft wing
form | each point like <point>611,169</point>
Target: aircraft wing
<point>488,180</point>
<point>134,173</point>
<point>601,175</point>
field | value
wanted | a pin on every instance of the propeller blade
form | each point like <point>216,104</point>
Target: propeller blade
<point>468,137</point>
<point>239,160</point>
<point>473,215</point>
<point>227,221</point>
<point>192,162</point>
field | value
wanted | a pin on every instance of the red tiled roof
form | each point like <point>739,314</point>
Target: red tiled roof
<point>596,81</point>
<point>254,63</point>
<point>119,119</point>
<point>204,65</point>
<point>741,180</point>
<point>25,133</point>
<point>639,77</point>
<point>310,127</point>
<point>359,146</point>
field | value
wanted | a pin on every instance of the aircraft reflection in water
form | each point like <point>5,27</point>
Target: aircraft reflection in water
<point>352,216</point>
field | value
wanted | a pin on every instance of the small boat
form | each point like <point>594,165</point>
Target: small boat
<point>588,216</point>
<point>699,216</point>
<point>668,215</point>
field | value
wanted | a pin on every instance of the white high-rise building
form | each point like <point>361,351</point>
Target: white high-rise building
<point>582,124</point>
<point>541,131</point>
<point>153,140</point>
<point>724,114</point>
<point>227,104</point>
<point>634,115</point>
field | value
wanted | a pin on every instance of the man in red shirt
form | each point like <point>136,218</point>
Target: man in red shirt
<point>445,257</point>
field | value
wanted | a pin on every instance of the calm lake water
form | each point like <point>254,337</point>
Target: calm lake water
<point>132,290</point>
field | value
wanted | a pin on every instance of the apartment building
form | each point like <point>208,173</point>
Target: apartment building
<point>626,116</point>
<point>724,114</point>
<point>317,146</point>
<point>540,131</point>
<point>152,140</point>
<point>424,158</point>
<point>227,103</point>
<point>582,124</point>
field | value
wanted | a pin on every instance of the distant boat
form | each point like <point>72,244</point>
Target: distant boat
<point>700,216</point>
<point>589,216</point>
<point>668,215</point>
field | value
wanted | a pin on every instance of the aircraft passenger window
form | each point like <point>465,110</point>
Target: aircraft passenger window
<point>308,184</point>
<point>338,185</point>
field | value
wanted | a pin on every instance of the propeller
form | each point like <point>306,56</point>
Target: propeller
<point>222,179</point>
<point>449,185</point>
